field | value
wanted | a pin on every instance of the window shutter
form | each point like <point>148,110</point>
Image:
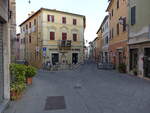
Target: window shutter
<point>74,21</point>
<point>52,35</point>
<point>52,18</point>
<point>64,36</point>
<point>48,18</point>
<point>74,37</point>
<point>124,24</point>
<point>133,15</point>
<point>64,20</point>
<point>117,29</point>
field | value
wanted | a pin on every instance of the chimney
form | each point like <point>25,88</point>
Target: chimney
<point>29,14</point>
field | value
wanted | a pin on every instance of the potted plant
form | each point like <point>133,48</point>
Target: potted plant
<point>122,68</point>
<point>30,73</point>
<point>16,89</point>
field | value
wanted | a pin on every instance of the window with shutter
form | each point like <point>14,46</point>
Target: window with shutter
<point>52,35</point>
<point>29,24</point>
<point>34,21</point>
<point>133,15</point>
<point>74,37</point>
<point>74,21</point>
<point>117,4</point>
<point>64,36</point>
<point>29,39</point>
<point>124,24</point>
<point>48,18</point>
<point>117,29</point>
<point>64,20</point>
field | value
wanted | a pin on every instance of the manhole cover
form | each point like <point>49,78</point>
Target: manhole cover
<point>55,103</point>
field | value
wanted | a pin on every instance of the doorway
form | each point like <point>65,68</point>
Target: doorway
<point>74,58</point>
<point>147,62</point>
<point>55,58</point>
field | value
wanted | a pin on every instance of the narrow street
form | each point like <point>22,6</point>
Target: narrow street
<point>86,90</point>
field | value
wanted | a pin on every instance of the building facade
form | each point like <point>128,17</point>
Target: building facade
<point>139,37</point>
<point>12,7</point>
<point>5,27</point>
<point>54,36</point>
<point>17,47</point>
<point>105,40</point>
<point>118,41</point>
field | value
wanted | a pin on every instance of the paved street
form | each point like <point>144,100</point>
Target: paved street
<point>100,92</point>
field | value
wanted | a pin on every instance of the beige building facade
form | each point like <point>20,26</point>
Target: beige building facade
<point>54,37</point>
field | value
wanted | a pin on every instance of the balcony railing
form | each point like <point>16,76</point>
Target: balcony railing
<point>65,44</point>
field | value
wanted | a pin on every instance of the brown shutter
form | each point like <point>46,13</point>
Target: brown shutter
<point>74,37</point>
<point>52,36</point>
<point>64,36</point>
<point>48,18</point>
<point>52,18</point>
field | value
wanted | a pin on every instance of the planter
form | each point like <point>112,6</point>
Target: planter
<point>29,80</point>
<point>15,95</point>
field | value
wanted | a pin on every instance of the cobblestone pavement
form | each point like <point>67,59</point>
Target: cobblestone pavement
<point>86,90</point>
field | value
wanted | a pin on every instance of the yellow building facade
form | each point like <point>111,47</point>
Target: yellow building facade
<point>54,37</point>
<point>118,40</point>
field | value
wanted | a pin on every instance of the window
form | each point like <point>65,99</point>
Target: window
<point>29,24</point>
<point>74,37</point>
<point>64,36</point>
<point>34,21</point>
<point>52,35</point>
<point>106,40</point>
<point>74,22</point>
<point>29,39</point>
<point>124,24</point>
<point>118,29</point>
<point>133,15</point>
<point>117,4</point>
<point>110,16</point>
<point>50,18</point>
<point>112,32</point>
<point>27,27</point>
<point>64,20</point>
<point>112,12</point>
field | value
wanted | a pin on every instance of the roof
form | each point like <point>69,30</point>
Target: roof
<point>54,10</point>
<point>110,3</point>
<point>106,17</point>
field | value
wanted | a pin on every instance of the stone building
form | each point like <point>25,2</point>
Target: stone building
<point>6,14</point>
<point>139,37</point>
<point>104,28</point>
<point>53,36</point>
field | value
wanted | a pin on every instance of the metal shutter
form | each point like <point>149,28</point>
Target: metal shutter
<point>1,62</point>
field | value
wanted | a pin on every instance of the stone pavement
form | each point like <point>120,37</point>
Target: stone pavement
<point>86,90</point>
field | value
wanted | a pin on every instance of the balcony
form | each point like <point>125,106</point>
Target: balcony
<point>65,45</point>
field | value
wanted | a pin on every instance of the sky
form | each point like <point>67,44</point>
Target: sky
<point>94,10</point>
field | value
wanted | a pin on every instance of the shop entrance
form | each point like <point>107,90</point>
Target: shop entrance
<point>74,58</point>
<point>147,62</point>
<point>55,58</point>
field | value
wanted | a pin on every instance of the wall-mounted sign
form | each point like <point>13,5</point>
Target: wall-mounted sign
<point>44,48</point>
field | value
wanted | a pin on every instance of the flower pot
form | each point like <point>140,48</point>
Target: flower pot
<point>29,80</point>
<point>13,95</point>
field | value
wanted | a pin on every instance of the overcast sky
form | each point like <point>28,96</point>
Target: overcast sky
<point>94,10</point>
